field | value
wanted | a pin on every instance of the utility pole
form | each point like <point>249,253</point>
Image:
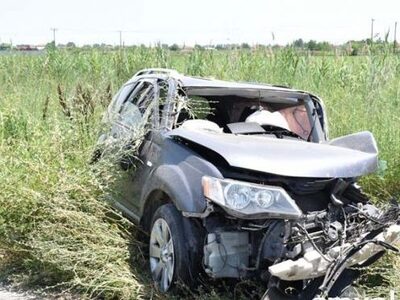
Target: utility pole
<point>120,39</point>
<point>372,30</point>
<point>395,37</point>
<point>54,35</point>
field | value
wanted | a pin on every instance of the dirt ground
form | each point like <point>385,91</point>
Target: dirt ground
<point>9,295</point>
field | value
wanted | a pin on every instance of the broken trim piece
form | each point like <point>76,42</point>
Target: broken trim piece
<point>313,265</point>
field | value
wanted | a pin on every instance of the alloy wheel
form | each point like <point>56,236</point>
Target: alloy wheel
<point>162,261</point>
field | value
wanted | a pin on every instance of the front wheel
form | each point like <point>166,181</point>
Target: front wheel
<point>169,256</point>
<point>162,255</point>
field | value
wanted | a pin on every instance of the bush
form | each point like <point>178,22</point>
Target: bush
<point>54,216</point>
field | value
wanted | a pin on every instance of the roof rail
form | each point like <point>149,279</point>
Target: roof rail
<point>156,71</point>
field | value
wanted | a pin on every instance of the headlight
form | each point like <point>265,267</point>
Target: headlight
<point>237,196</point>
<point>249,200</point>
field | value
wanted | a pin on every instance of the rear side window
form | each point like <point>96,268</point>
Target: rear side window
<point>142,96</point>
<point>121,96</point>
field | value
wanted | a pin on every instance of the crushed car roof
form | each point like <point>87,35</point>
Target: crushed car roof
<point>196,83</point>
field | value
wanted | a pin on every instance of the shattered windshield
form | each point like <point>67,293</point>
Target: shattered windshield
<point>272,117</point>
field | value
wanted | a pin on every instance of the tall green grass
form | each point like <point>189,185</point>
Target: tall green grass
<point>55,227</point>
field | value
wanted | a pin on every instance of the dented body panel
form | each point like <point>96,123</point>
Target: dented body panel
<point>286,157</point>
<point>177,172</point>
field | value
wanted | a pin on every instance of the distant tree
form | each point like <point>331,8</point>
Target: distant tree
<point>260,46</point>
<point>50,46</point>
<point>324,46</point>
<point>245,46</point>
<point>5,46</point>
<point>299,43</point>
<point>198,47</point>
<point>312,45</point>
<point>174,47</point>
<point>318,46</point>
<point>355,48</point>
<point>71,45</point>
<point>354,51</point>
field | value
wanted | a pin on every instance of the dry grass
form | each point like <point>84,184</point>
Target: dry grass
<point>56,227</point>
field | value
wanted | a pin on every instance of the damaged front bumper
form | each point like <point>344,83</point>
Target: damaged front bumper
<point>315,264</point>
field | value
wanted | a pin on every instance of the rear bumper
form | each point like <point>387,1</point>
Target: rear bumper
<point>313,264</point>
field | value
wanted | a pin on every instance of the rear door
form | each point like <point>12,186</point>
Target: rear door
<point>138,117</point>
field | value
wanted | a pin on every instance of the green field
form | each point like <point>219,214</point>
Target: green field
<point>56,231</point>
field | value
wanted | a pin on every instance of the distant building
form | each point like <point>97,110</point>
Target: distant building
<point>187,49</point>
<point>26,48</point>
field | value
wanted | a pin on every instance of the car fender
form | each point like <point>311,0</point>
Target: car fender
<point>181,180</point>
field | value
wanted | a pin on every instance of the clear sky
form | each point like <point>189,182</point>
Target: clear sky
<point>190,22</point>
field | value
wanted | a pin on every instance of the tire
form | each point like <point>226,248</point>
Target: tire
<point>169,255</point>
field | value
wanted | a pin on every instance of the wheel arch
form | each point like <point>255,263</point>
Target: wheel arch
<point>179,184</point>
<point>153,201</point>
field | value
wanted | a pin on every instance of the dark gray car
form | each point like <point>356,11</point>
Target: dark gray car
<point>240,180</point>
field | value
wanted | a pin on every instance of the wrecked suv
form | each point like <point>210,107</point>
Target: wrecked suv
<point>240,180</point>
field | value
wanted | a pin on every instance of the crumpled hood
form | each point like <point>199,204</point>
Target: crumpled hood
<point>288,157</point>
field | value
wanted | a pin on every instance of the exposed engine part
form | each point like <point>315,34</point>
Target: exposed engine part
<point>209,209</point>
<point>337,191</point>
<point>370,210</point>
<point>273,247</point>
<point>337,224</point>
<point>226,254</point>
<point>312,264</point>
<point>334,231</point>
<point>294,252</point>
